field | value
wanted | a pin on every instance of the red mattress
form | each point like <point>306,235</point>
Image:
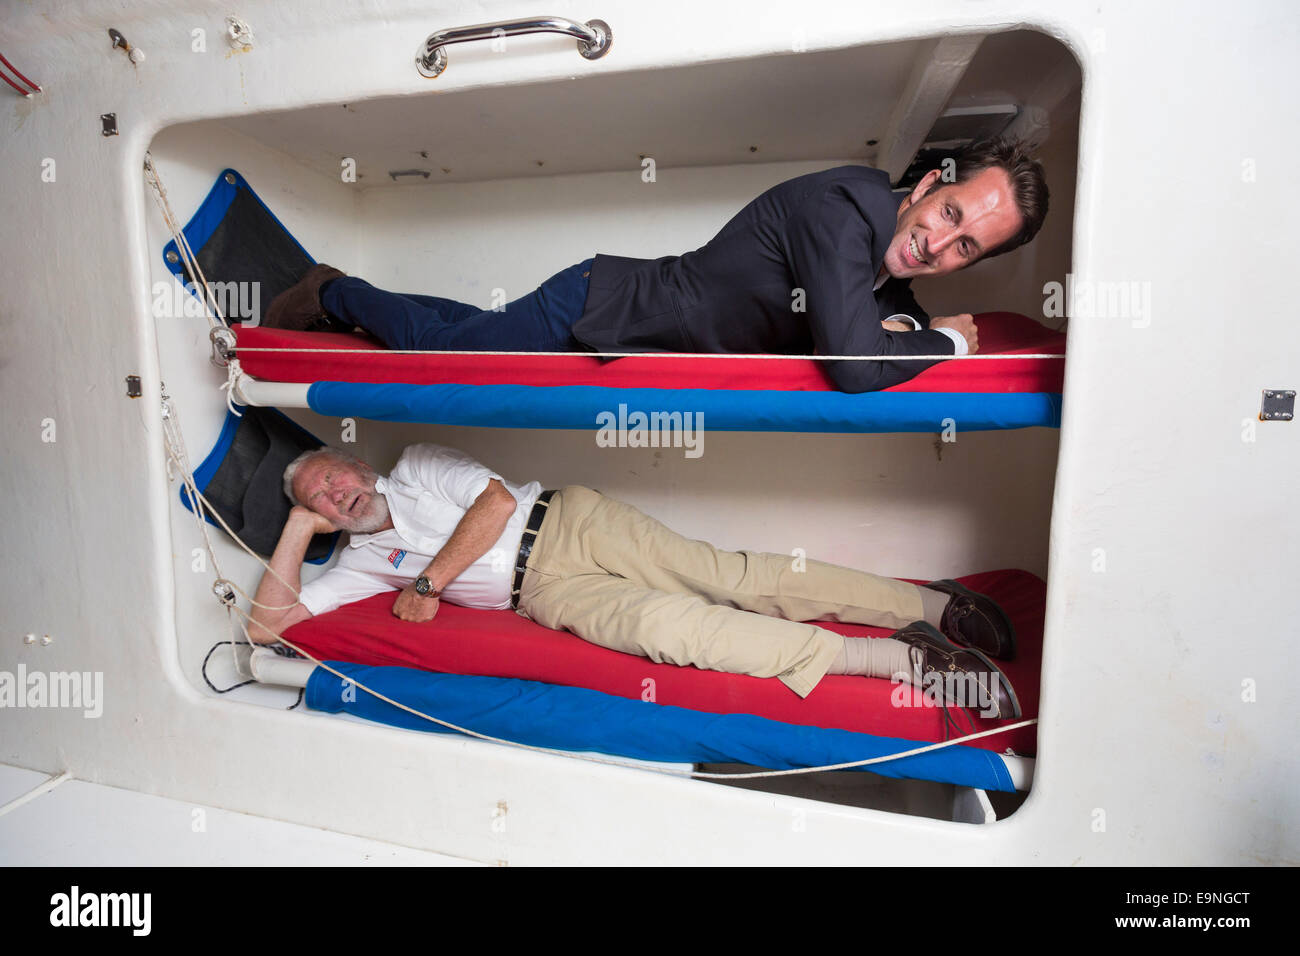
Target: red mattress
<point>503,644</point>
<point>999,332</point>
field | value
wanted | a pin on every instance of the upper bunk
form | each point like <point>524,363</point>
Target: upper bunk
<point>347,374</point>
<point>1015,381</point>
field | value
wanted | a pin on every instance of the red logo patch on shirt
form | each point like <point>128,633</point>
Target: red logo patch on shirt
<point>395,557</point>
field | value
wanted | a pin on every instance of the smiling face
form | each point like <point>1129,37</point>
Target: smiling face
<point>343,492</point>
<point>946,227</point>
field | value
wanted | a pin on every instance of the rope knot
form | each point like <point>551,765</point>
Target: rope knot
<point>233,373</point>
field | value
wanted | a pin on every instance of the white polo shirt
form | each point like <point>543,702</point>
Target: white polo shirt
<point>428,492</point>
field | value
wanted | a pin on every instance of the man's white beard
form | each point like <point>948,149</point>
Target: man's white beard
<point>371,520</point>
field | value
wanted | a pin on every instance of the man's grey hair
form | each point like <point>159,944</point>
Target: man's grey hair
<point>329,451</point>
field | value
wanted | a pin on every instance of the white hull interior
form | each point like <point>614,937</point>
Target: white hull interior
<point>535,161</point>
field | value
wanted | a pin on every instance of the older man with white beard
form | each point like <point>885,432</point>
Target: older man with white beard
<point>443,525</point>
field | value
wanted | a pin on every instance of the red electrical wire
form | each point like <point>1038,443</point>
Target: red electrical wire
<point>15,72</point>
<point>14,85</point>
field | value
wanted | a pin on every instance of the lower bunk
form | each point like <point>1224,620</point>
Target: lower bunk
<point>497,674</point>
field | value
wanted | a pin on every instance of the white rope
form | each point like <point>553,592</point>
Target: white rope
<point>233,374</point>
<point>212,309</point>
<point>997,356</point>
<point>202,509</point>
<point>928,748</point>
<point>174,446</point>
<point>178,456</point>
<point>176,453</point>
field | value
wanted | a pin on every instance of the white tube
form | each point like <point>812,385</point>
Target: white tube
<point>39,790</point>
<point>269,667</point>
<point>1021,770</point>
<point>250,391</point>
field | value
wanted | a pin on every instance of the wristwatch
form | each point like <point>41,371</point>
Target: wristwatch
<point>424,587</point>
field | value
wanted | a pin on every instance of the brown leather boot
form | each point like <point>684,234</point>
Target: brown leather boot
<point>965,677</point>
<point>298,308</point>
<point>975,620</point>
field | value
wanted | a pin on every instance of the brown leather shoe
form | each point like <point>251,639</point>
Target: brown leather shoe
<point>975,620</point>
<point>298,308</point>
<point>964,675</point>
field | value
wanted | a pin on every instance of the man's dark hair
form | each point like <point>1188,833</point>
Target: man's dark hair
<point>1027,183</point>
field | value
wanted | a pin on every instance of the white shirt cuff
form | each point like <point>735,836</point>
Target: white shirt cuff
<point>958,341</point>
<point>900,317</point>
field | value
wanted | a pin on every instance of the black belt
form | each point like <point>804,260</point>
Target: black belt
<point>526,542</point>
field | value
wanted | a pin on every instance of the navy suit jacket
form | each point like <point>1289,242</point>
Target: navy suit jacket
<point>825,233</point>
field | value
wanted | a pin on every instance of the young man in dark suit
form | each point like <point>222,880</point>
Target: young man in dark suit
<point>818,264</point>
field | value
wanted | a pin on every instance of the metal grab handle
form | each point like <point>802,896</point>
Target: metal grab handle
<point>594,38</point>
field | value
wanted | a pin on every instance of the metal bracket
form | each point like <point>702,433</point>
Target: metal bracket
<point>223,346</point>
<point>238,33</point>
<point>224,591</point>
<point>109,123</point>
<point>133,386</point>
<point>134,54</point>
<point>1278,405</point>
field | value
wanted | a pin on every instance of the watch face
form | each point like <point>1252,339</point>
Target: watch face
<point>422,585</point>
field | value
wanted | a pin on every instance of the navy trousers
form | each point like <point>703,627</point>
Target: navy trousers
<point>541,321</point>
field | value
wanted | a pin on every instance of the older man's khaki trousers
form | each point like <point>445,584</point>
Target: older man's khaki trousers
<point>619,578</point>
